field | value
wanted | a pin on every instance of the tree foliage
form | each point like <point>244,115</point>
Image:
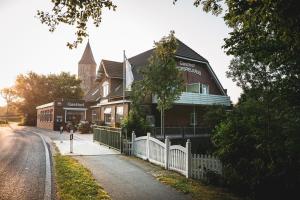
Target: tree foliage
<point>9,95</point>
<point>258,144</point>
<point>162,69</point>
<point>161,77</point>
<point>75,13</point>
<point>34,90</point>
<point>259,141</point>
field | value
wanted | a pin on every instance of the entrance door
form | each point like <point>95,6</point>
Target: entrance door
<point>75,116</point>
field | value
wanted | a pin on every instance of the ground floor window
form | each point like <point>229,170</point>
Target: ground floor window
<point>95,116</point>
<point>46,115</point>
<point>74,116</point>
<point>107,115</point>
<point>119,114</point>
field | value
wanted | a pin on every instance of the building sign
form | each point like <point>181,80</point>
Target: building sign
<point>75,104</point>
<point>188,67</point>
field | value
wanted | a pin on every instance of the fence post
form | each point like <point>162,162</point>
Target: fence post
<point>167,147</point>
<point>132,142</point>
<point>148,146</point>
<point>188,158</point>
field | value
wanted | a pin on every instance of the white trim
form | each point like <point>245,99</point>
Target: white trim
<point>110,103</point>
<point>104,69</point>
<point>75,109</point>
<point>210,69</point>
<point>107,110</point>
<point>45,105</point>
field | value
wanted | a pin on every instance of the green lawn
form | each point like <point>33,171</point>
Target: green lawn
<point>75,181</point>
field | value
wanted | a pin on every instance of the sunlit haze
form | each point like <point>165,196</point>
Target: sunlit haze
<point>27,45</point>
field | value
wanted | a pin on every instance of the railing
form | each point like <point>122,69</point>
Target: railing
<point>175,157</point>
<point>111,137</point>
<point>200,99</point>
<point>181,132</point>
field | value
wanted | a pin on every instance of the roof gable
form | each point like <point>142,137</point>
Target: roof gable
<point>113,69</point>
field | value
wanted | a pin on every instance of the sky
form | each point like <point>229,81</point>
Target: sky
<point>27,45</point>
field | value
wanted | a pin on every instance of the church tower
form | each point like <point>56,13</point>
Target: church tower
<point>87,69</point>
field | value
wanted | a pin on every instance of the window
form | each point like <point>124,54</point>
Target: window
<point>193,88</point>
<point>94,116</point>
<point>107,115</point>
<point>193,118</point>
<point>105,88</point>
<point>205,89</point>
<point>119,114</point>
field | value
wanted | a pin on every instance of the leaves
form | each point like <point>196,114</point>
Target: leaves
<point>162,69</point>
<point>33,90</point>
<point>75,13</point>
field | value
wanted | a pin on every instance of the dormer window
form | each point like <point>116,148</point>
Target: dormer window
<point>105,88</point>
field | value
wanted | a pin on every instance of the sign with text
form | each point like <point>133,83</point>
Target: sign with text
<point>75,104</point>
<point>188,67</point>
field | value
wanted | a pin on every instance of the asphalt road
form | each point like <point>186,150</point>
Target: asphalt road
<point>22,165</point>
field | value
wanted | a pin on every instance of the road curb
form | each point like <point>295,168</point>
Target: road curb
<point>47,193</point>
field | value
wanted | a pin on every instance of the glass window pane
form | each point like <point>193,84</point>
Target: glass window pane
<point>193,88</point>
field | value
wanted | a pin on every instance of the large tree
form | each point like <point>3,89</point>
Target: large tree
<point>34,89</point>
<point>161,77</point>
<point>259,141</point>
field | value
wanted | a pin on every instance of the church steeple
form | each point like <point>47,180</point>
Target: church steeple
<point>87,69</point>
<point>87,56</point>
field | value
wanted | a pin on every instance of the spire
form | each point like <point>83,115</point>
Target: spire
<point>87,56</point>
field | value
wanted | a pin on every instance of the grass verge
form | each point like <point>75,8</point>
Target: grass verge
<point>75,181</point>
<point>196,189</point>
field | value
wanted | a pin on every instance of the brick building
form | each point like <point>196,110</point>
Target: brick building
<point>59,112</point>
<point>202,88</point>
<point>106,104</point>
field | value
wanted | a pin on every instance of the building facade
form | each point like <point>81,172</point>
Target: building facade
<point>105,103</point>
<point>58,113</point>
<point>202,88</point>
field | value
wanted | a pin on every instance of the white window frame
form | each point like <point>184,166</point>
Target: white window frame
<point>105,88</point>
<point>207,88</point>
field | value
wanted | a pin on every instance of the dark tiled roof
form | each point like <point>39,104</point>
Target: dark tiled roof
<point>93,94</point>
<point>87,56</point>
<point>113,69</point>
<point>141,60</point>
<point>184,51</point>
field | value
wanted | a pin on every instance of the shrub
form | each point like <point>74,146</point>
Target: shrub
<point>259,148</point>
<point>134,122</point>
<point>84,127</point>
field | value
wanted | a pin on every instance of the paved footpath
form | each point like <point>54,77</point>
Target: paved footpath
<point>122,178</point>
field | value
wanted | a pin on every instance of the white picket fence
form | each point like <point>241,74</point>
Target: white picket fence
<point>201,164</point>
<point>173,157</point>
